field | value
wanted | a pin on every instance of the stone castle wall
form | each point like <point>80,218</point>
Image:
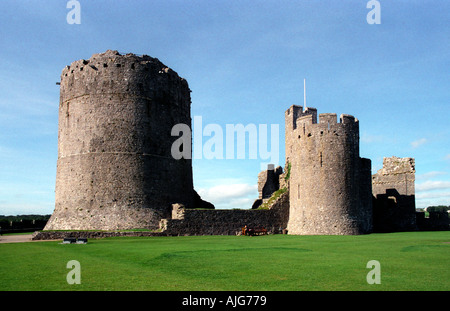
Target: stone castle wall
<point>268,181</point>
<point>114,168</point>
<point>228,222</point>
<point>393,188</point>
<point>397,173</point>
<point>327,177</point>
<point>435,221</point>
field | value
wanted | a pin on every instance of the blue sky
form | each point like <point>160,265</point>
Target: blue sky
<point>245,62</point>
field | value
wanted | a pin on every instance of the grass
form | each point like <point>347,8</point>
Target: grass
<point>409,261</point>
<point>272,199</point>
<point>119,230</point>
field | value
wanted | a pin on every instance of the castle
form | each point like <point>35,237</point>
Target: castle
<point>115,170</point>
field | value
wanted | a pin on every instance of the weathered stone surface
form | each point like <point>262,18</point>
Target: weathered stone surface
<point>326,174</point>
<point>59,235</point>
<point>397,173</point>
<point>394,195</point>
<point>115,169</point>
<point>268,181</point>
<point>229,222</point>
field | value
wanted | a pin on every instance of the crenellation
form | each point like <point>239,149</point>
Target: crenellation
<point>324,186</point>
<point>311,111</point>
<point>114,69</point>
<point>115,169</point>
<point>305,120</point>
<point>347,119</point>
<point>328,119</point>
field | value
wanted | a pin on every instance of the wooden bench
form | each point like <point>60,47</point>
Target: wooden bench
<point>254,231</point>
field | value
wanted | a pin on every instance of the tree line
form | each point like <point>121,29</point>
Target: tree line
<point>438,208</point>
<point>22,223</point>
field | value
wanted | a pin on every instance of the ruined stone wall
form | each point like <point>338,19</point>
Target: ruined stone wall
<point>435,221</point>
<point>365,195</point>
<point>268,181</point>
<point>397,173</point>
<point>393,188</point>
<point>227,222</point>
<point>114,168</point>
<point>327,175</point>
<point>60,235</point>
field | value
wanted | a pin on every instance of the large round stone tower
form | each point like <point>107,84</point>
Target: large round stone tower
<point>330,185</point>
<point>115,169</point>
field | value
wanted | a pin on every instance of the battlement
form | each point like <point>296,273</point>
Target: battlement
<point>327,118</point>
<point>348,119</point>
<point>108,71</point>
<point>296,113</point>
<point>329,185</point>
<point>296,118</point>
<point>306,119</point>
<point>113,60</point>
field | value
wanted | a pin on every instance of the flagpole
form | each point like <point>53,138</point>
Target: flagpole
<point>304,94</point>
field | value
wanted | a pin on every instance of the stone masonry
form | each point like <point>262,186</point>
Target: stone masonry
<point>114,168</point>
<point>268,181</point>
<point>394,195</point>
<point>329,182</point>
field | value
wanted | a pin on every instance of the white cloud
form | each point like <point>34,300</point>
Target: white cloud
<point>227,196</point>
<point>432,185</point>
<point>433,195</point>
<point>432,198</point>
<point>418,142</point>
<point>429,175</point>
<point>432,192</point>
<point>25,208</point>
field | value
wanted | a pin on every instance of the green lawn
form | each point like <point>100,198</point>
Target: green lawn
<point>409,261</point>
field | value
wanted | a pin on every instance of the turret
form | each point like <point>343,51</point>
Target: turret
<point>115,169</point>
<point>326,173</point>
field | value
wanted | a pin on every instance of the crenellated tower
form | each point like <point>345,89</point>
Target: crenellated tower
<point>330,185</point>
